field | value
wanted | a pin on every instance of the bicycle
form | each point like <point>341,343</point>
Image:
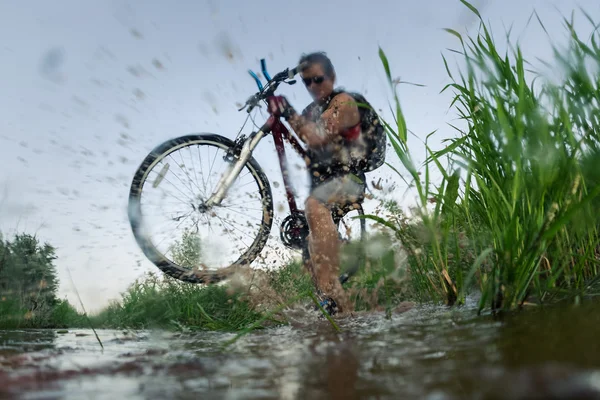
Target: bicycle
<point>237,155</point>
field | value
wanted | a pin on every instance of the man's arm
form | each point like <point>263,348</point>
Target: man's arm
<point>341,115</point>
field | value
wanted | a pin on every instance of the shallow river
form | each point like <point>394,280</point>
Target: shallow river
<point>424,353</point>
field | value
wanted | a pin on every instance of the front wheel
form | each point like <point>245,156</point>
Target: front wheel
<point>173,227</point>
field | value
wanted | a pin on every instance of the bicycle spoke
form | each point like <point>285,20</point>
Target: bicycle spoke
<point>178,225</point>
<point>175,186</point>
<point>181,180</point>
<point>212,165</point>
<point>175,197</point>
<point>246,208</point>
<point>238,230</point>
<point>201,175</point>
<point>241,213</point>
<point>196,174</point>
<point>188,174</point>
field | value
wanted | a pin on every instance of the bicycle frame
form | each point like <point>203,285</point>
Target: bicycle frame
<point>280,134</point>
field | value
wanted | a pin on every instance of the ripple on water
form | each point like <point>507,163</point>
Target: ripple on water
<point>427,352</point>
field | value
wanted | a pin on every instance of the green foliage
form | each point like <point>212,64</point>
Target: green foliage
<point>154,302</point>
<point>427,252</point>
<point>188,251</point>
<point>290,280</point>
<point>523,222</point>
<point>28,282</point>
<point>64,315</point>
<point>382,282</point>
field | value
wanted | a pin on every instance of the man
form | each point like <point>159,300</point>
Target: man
<point>334,129</point>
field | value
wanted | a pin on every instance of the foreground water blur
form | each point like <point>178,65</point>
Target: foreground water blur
<point>424,352</point>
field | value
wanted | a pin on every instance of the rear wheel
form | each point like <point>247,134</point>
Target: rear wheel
<point>173,227</point>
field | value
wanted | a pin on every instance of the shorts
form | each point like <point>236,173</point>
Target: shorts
<point>339,190</point>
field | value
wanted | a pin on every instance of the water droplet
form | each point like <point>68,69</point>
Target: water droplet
<point>157,64</point>
<point>122,120</point>
<point>139,94</point>
<point>227,47</point>
<point>52,63</point>
<point>136,34</point>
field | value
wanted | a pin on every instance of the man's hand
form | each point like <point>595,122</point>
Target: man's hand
<point>279,106</point>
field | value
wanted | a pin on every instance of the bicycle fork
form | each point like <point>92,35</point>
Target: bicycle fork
<point>234,168</point>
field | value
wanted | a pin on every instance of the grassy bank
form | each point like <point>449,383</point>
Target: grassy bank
<point>516,214</point>
<point>162,302</point>
<point>157,301</point>
<point>61,314</point>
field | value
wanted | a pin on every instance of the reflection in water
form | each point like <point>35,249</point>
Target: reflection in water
<point>24,341</point>
<point>427,352</point>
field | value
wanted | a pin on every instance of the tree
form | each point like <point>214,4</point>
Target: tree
<point>28,278</point>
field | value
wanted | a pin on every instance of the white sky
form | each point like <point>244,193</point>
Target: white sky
<point>82,101</point>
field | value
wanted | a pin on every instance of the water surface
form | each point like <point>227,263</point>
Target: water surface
<point>426,352</point>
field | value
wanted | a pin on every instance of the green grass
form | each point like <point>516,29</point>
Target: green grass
<point>515,215</point>
<point>60,314</point>
<point>161,302</point>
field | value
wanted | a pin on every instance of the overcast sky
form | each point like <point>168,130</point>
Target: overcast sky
<point>90,87</point>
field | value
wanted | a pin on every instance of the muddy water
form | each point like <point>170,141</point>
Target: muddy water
<point>423,353</point>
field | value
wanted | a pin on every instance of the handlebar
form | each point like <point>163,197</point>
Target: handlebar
<point>267,90</point>
<point>263,65</point>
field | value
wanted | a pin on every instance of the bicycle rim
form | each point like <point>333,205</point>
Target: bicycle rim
<point>209,243</point>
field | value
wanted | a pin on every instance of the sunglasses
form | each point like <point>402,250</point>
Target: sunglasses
<point>315,79</point>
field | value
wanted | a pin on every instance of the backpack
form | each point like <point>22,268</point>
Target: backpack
<point>371,127</point>
<point>374,133</point>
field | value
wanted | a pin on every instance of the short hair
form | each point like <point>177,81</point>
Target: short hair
<point>319,57</point>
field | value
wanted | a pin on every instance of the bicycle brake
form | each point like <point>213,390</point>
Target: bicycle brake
<point>235,150</point>
<point>252,102</point>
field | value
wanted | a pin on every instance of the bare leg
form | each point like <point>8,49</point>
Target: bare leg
<point>324,246</point>
<point>308,264</point>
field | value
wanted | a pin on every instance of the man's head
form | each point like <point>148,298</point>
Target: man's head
<point>317,74</point>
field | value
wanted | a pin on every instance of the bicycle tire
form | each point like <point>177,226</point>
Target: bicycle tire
<point>169,267</point>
